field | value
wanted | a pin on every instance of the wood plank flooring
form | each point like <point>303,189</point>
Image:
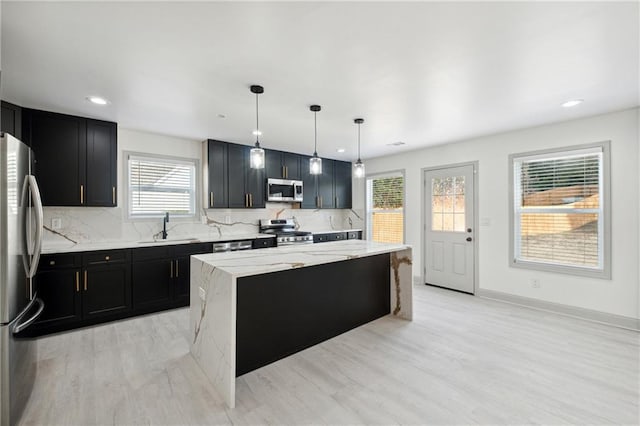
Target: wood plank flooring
<point>463,360</point>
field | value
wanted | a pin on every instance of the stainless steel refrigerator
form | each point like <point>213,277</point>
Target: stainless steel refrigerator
<point>21,230</point>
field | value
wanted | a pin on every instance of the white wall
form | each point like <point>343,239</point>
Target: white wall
<point>620,295</point>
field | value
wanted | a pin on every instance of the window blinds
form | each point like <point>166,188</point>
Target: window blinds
<point>558,208</point>
<point>158,185</point>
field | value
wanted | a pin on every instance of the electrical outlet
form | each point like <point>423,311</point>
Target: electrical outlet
<point>56,223</point>
<point>535,283</point>
<point>202,293</point>
<point>227,220</point>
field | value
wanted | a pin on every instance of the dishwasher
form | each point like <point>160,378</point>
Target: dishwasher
<point>233,246</point>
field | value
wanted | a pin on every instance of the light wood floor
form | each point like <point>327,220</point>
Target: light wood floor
<point>463,360</point>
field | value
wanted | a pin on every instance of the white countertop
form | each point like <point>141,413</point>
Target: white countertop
<point>68,246</point>
<point>255,262</point>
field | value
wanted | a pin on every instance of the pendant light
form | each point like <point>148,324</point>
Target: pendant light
<point>256,158</point>
<point>315,162</point>
<point>358,167</point>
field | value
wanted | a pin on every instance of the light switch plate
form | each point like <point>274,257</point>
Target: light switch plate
<point>202,293</point>
<point>56,223</point>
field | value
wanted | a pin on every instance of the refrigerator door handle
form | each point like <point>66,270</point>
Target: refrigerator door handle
<point>37,248</point>
<point>19,324</point>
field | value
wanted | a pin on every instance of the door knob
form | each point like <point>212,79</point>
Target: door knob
<point>469,239</point>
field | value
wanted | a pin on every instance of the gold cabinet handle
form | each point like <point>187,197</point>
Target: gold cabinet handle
<point>113,194</point>
<point>177,271</point>
<point>250,199</point>
<point>77,281</point>
<point>81,194</point>
<point>86,280</point>
<point>284,173</point>
<point>171,269</point>
<point>211,199</point>
<point>107,258</point>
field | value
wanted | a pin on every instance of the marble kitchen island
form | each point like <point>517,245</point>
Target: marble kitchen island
<point>251,308</point>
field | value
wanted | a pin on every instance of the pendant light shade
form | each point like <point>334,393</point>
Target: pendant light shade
<point>358,167</point>
<point>256,157</point>
<point>315,162</point>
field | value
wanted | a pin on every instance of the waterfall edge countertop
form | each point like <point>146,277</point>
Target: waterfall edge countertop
<point>251,308</point>
<point>246,263</point>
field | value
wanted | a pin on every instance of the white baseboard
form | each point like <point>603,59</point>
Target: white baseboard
<point>558,308</point>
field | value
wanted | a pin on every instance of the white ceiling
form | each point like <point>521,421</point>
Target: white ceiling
<point>421,73</point>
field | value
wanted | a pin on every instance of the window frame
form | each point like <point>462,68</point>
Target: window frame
<point>127,199</point>
<point>380,175</point>
<point>604,225</point>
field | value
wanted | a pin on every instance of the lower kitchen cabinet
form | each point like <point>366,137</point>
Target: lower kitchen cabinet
<point>106,290</point>
<point>337,236</point>
<point>153,283</point>
<point>60,290</point>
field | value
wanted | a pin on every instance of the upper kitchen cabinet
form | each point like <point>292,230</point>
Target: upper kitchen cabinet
<point>11,119</point>
<point>246,185</point>
<point>102,152</point>
<point>282,165</point>
<point>75,158</point>
<point>329,190</point>
<point>342,184</point>
<point>217,175</point>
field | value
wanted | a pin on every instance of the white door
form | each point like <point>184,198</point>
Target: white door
<point>449,234</point>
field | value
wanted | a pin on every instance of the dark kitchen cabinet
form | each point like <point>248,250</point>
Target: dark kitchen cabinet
<point>11,119</point>
<point>329,190</point>
<point>102,179</point>
<point>82,289</point>
<point>106,283</point>
<point>58,285</point>
<point>342,184</point>
<point>282,165</point>
<point>329,236</point>
<point>161,275</point>
<point>309,183</point>
<point>326,193</point>
<point>246,185</point>
<point>75,158</point>
<point>354,235</point>
<point>218,189</point>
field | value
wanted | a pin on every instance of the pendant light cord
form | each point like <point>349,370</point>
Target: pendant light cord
<point>257,126</point>
<point>358,141</point>
<point>315,133</point>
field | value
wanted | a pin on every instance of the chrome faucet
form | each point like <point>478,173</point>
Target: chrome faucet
<point>165,219</point>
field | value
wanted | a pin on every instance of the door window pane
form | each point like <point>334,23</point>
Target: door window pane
<point>447,204</point>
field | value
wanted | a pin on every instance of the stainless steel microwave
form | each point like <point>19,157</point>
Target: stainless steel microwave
<point>284,190</point>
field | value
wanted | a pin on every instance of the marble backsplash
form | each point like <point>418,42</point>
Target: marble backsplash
<point>108,224</point>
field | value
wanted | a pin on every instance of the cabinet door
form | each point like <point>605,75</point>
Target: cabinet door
<point>59,289</point>
<point>181,282</point>
<point>102,151</point>
<point>342,182</point>
<point>238,157</point>
<point>291,163</point>
<point>255,184</point>
<point>106,290</point>
<point>325,185</point>
<point>217,162</point>
<point>11,119</point>
<point>273,164</point>
<point>59,145</point>
<point>152,283</point>
<point>309,183</point>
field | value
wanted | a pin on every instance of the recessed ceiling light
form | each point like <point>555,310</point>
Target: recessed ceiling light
<point>340,150</point>
<point>399,143</point>
<point>572,103</point>
<point>97,100</point>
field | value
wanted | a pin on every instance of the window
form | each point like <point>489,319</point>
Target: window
<point>160,184</point>
<point>560,210</point>
<point>385,208</point>
<point>447,204</point>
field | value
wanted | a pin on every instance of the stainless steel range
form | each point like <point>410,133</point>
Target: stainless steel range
<point>285,231</point>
